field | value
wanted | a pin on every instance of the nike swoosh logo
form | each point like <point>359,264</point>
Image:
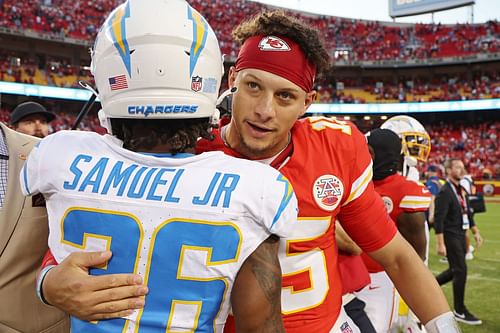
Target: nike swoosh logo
<point>425,191</point>
<point>373,288</point>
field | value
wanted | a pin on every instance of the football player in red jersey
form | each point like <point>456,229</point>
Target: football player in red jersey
<point>406,201</point>
<point>327,162</point>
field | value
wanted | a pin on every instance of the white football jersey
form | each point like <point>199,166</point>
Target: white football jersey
<point>185,223</point>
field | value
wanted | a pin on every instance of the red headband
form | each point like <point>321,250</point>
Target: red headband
<point>277,55</point>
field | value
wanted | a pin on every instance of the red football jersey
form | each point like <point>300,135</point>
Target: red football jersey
<point>353,272</point>
<point>400,195</point>
<point>330,170</point>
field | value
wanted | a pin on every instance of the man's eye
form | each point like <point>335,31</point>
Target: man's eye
<point>253,85</point>
<point>285,95</point>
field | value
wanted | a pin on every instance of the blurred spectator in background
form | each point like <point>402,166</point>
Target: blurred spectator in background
<point>452,218</point>
<point>32,119</point>
<point>23,242</point>
<point>433,184</point>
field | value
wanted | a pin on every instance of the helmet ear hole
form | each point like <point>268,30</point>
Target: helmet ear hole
<point>160,71</point>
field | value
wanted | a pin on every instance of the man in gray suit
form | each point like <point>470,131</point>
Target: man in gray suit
<point>23,242</point>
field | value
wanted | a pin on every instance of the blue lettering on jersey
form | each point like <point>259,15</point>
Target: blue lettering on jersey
<point>142,182</point>
<point>226,186</point>
<point>156,182</point>
<point>170,194</point>
<point>115,178</point>
<point>198,201</point>
<point>94,177</point>
<point>137,195</point>
<point>77,172</point>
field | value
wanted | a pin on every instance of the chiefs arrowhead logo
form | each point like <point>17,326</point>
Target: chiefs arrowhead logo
<point>273,43</point>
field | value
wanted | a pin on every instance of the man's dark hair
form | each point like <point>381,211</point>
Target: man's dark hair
<point>282,24</point>
<point>178,134</point>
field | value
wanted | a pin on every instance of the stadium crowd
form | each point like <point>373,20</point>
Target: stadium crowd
<point>364,40</point>
<point>54,71</point>
<point>407,90</point>
<point>476,145</point>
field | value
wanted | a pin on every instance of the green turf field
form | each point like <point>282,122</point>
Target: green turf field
<point>482,294</point>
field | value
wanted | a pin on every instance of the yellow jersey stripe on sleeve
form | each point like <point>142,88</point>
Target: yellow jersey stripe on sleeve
<point>411,201</point>
<point>360,184</point>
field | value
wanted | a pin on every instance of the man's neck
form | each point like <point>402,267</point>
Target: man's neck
<point>162,149</point>
<point>454,181</point>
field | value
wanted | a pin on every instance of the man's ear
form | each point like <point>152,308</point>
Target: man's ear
<point>232,77</point>
<point>310,98</point>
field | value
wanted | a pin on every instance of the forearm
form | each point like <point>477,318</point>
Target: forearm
<point>402,264</point>
<point>419,244</point>
<point>412,228</point>
<point>477,236</point>
<point>48,262</point>
<point>474,230</point>
<point>431,211</point>
<point>439,239</point>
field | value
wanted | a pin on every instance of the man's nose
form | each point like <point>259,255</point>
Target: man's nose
<point>265,106</point>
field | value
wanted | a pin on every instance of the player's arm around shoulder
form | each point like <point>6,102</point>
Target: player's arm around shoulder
<point>256,293</point>
<point>69,287</point>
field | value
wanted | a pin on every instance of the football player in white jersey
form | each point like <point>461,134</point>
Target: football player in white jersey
<point>201,230</point>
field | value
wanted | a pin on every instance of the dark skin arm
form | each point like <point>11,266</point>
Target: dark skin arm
<point>256,294</point>
<point>412,228</point>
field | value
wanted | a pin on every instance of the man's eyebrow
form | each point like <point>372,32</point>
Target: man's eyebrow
<point>287,89</point>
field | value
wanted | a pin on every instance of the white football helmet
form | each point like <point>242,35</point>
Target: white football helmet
<point>156,59</point>
<point>415,140</point>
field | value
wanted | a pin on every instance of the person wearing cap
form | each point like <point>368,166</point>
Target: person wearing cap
<point>31,118</point>
<point>23,242</point>
<point>406,202</point>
